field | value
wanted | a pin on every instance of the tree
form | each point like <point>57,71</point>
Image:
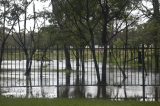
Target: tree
<point>26,39</point>
<point>153,23</point>
<point>92,17</point>
<point>7,18</point>
<point>85,18</point>
<point>60,19</point>
<point>110,10</point>
<point>46,39</point>
<point>156,21</point>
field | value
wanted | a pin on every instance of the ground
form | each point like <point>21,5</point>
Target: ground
<point>71,102</point>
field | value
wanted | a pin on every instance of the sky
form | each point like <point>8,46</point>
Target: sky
<point>39,6</point>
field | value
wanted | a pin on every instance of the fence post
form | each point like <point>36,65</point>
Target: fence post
<point>143,72</point>
<point>57,72</point>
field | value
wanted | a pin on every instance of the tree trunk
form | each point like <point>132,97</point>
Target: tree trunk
<point>28,77</point>
<point>104,63</point>
<point>77,66</point>
<point>83,67</point>
<point>68,64</point>
<point>156,70</point>
<point>1,59</point>
<point>4,38</point>
<point>105,43</point>
<point>41,76</point>
<point>93,50</point>
<point>156,14</point>
<point>125,60</point>
<point>41,70</point>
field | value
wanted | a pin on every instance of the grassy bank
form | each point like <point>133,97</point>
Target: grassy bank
<point>70,102</point>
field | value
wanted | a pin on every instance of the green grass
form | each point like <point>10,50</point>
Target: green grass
<point>71,102</point>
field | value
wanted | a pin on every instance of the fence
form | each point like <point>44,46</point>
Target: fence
<point>48,71</point>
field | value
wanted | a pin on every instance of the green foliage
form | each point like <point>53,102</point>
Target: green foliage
<point>119,43</point>
<point>146,33</point>
<point>152,31</point>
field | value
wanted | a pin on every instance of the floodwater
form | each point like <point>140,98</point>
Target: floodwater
<point>13,81</point>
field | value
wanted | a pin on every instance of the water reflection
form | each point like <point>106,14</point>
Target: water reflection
<point>114,93</point>
<point>13,78</point>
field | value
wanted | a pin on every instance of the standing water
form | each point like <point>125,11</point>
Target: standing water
<point>13,82</point>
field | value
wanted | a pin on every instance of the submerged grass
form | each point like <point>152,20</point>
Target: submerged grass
<point>70,102</point>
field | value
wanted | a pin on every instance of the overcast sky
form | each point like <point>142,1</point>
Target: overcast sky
<point>39,6</point>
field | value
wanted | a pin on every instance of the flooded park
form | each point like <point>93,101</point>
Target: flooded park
<point>85,49</point>
<point>13,81</point>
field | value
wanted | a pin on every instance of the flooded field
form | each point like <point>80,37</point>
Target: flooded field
<point>13,82</point>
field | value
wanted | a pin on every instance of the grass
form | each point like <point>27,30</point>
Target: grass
<point>70,102</point>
